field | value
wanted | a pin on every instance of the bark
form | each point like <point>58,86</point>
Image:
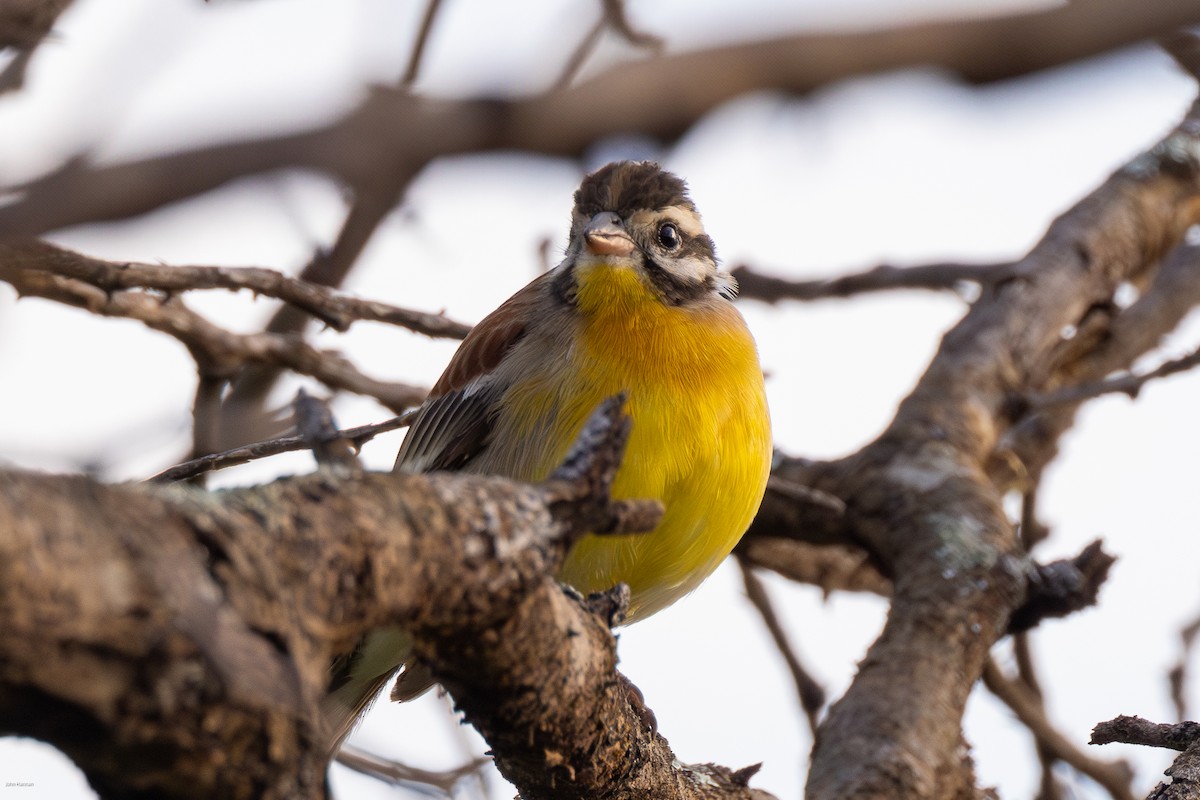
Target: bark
<point>176,643</point>
<point>924,500</point>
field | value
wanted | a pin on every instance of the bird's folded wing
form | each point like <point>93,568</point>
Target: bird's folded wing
<point>452,426</point>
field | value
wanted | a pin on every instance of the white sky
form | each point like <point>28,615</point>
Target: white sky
<point>905,168</point>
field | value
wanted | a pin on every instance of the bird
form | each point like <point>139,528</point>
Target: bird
<point>638,306</point>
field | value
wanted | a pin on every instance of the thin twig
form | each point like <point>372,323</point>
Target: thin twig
<point>941,276</point>
<point>1116,776</point>
<point>615,18</point>
<point>1177,676</point>
<point>413,69</point>
<point>252,452</point>
<point>1027,675</point>
<point>442,784</point>
<point>248,393</point>
<point>1126,384</point>
<point>24,26</point>
<point>812,696</point>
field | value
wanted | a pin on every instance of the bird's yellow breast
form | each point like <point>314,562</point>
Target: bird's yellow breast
<point>700,442</point>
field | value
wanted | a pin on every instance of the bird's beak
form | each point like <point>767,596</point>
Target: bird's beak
<point>606,236</point>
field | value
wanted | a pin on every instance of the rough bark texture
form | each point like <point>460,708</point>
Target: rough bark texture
<point>176,643</point>
<point>924,500</point>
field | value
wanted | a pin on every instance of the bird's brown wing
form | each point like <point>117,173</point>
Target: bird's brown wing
<point>453,425</point>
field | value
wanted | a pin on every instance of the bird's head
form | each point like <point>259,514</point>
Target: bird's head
<point>635,233</point>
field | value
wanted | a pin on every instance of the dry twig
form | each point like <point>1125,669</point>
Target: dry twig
<point>219,352</point>
<point>397,774</point>
<point>942,276</point>
<point>613,17</point>
<point>251,452</point>
<point>413,69</point>
<point>338,311</point>
<point>1130,385</point>
<point>1116,777</point>
<point>1178,674</point>
<point>810,693</point>
<point>362,149</point>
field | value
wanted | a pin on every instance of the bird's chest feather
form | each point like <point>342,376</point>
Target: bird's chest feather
<point>700,441</point>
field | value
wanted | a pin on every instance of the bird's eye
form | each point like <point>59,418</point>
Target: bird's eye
<point>668,236</point>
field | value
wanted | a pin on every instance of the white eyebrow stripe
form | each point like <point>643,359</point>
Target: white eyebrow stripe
<point>687,220</point>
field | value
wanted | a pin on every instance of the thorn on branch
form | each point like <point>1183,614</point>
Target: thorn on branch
<point>1063,587</point>
<point>807,495</point>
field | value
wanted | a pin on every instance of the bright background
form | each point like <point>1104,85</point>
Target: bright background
<point>908,168</point>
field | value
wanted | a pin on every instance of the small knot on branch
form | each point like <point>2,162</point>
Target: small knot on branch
<point>1063,587</point>
<point>610,605</point>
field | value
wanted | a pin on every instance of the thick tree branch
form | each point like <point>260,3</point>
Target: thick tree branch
<point>362,149</point>
<point>195,624</point>
<point>921,502</point>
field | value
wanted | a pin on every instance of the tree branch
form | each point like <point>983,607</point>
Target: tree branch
<point>1185,736</point>
<point>920,501</point>
<point>252,452</point>
<point>809,692</point>
<point>338,311</point>
<point>220,353</point>
<point>24,25</point>
<point>940,276</point>
<point>1116,777</point>
<point>361,149</point>
<point>413,69</point>
<point>194,623</point>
